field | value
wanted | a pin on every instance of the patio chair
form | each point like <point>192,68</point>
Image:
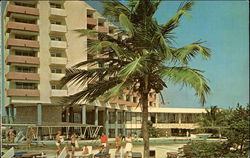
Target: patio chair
<point>103,155</point>
<point>79,154</point>
<point>9,153</point>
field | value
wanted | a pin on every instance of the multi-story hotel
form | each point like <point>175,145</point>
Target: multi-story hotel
<point>39,44</point>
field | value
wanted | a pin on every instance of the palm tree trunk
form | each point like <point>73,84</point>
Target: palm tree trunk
<point>145,133</point>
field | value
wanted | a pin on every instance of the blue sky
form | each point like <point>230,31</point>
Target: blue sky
<point>224,25</point>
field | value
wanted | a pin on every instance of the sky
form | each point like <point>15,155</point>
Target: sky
<point>224,25</point>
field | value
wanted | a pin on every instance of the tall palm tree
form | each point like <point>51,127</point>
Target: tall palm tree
<point>140,58</point>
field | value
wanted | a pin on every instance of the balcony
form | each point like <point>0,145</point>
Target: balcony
<point>22,60</point>
<point>23,93</point>
<point>21,10</point>
<point>22,76</point>
<point>58,93</point>
<point>22,26</point>
<point>56,77</point>
<point>58,44</point>
<point>58,29</point>
<point>22,43</point>
<point>102,29</point>
<point>58,61</point>
<point>91,21</point>
<point>56,12</point>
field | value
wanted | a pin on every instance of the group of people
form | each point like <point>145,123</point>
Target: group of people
<point>104,147</point>
<point>118,143</point>
<point>59,140</point>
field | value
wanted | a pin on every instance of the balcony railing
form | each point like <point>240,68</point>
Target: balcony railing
<point>56,77</point>
<point>23,93</point>
<point>58,93</point>
<point>102,29</point>
<point>91,21</point>
<point>22,60</point>
<point>58,61</point>
<point>21,10</point>
<point>58,44</point>
<point>58,28</point>
<point>22,76</point>
<point>22,43</point>
<point>22,26</point>
<point>56,12</point>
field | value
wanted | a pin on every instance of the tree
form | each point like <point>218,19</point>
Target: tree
<point>140,58</point>
<point>235,124</point>
<point>213,118</point>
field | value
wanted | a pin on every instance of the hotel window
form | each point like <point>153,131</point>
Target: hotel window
<point>21,85</point>
<point>25,4</point>
<point>56,70</point>
<point>127,97</point>
<point>135,99</point>
<point>55,86</point>
<point>56,38</point>
<point>128,117</point>
<point>25,37</point>
<point>100,23</point>
<point>55,5</point>
<point>26,69</point>
<point>53,54</point>
<point>55,22</point>
<point>112,117</point>
<point>25,53</point>
<point>29,21</point>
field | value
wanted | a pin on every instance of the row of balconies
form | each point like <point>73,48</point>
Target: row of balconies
<point>34,27</point>
<point>12,42</point>
<point>30,76</point>
<point>33,60</point>
<point>15,9</point>
<point>34,93</point>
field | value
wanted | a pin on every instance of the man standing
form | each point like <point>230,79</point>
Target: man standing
<point>118,142</point>
<point>104,139</point>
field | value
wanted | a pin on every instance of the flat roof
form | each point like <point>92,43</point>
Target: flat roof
<point>171,110</point>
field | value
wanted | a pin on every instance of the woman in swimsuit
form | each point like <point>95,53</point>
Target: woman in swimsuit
<point>73,143</point>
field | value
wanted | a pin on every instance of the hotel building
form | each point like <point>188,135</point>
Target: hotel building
<point>39,44</point>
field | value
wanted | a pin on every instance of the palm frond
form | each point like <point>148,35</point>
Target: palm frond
<point>92,92</point>
<point>113,9</point>
<point>125,22</point>
<point>188,77</point>
<point>186,53</point>
<point>174,21</point>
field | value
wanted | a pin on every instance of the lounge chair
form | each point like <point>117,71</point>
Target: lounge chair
<point>103,155</point>
<point>9,153</point>
<point>79,154</point>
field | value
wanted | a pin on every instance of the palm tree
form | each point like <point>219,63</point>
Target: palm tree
<point>140,58</point>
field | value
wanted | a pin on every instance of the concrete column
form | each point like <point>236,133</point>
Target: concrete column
<point>96,115</point>
<point>179,118</point>
<point>116,122</point>
<point>124,123</point>
<point>67,114</point>
<point>107,122</point>
<point>8,114</point>
<point>83,113</point>
<point>39,113</point>
<point>156,118</point>
<point>71,114</point>
<point>11,113</point>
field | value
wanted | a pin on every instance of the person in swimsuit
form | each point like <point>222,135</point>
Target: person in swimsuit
<point>73,143</point>
<point>58,142</point>
<point>118,142</point>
